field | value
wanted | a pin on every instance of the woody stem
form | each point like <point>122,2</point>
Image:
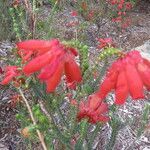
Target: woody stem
<point>32,15</point>
<point>33,120</point>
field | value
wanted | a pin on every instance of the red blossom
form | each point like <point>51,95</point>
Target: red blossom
<point>95,110</point>
<point>104,42</point>
<point>122,90</point>
<point>74,13</point>
<point>28,48</point>
<point>10,73</point>
<point>52,59</point>
<point>128,75</point>
<point>128,5</point>
<point>54,80</point>
<point>117,19</point>
<point>113,2</point>
<point>72,71</point>
<point>90,14</point>
<point>42,60</point>
<point>120,6</point>
<point>119,13</point>
<point>144,71</point>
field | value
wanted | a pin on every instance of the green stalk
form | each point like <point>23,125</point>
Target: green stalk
<point>83,132</point>
<point>94,134</point>
<point>57,131</point>
<point>63,118</point>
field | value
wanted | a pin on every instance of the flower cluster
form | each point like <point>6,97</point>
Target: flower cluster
<point>128,75</point>
<point>121,4</point>
<point>85,10</point>
<point>122,8</point>
<point>106,42</point>
<point>52,59</point>
<point>94,110</point>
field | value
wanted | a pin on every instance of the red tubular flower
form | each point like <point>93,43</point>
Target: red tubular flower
<point>25,55</point>
<point>48,70</point>
<point>117,19</point>
<point>72,71</point>
<point>146,62</point>
<point>54,80</point>
<point>122,91</point>
<point>128,5</point>
<point>144,71</point>
<point>95,110</point>
<point>109,82</point>
<point>42,60</point>
<point>104,42</point>
<point>74,13</point>
<point>37,47</point>
<point>11,72</point>
<point>128,75</point>
<point>113,2</point>
<point>120,6</point>
<point>52,59</point>
<point>37,63</point>
<point>134,82</point>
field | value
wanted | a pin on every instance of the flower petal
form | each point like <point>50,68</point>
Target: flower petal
<point>108,84</point>
<point>35,45</point>
<point>147,62</point>
<point>7,79</point>
<point>53,81</point>
<point>49,70</point>
<point>94,101</point>
<point>10,73</point>
<point>72,71</point>
<point>135,56</point>
<point>37,63</point>
<point>103,108</point>
<point>121,92</point>
<point>134,82</point>
<point>144,71</point>
<point>25,55</point>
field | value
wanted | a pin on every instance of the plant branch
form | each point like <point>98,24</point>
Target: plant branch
<point>33,120</point>
<point>32,16</point>
<point>61,137</point>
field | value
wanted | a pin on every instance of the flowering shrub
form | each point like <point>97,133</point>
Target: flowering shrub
<point>120,76</point>
<point>94,109</point>
<point>61,90</point>
<point>50,61</point>
<point>121,7</point>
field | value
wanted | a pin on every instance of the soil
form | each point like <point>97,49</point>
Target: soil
<point>135,35</point>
